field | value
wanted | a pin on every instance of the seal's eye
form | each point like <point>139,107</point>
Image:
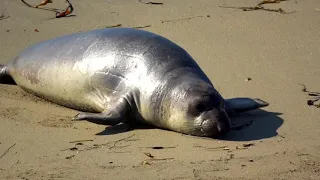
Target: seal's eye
<point>200,107</point>
<point>204,102</point>
<point>197,107</point>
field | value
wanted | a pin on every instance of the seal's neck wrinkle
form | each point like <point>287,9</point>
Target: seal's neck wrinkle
<point>170,101</point>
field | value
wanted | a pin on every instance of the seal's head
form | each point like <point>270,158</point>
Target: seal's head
<point>196,108</point>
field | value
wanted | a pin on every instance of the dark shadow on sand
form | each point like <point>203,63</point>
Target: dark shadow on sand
<point>121,128</point>
<point>263,125</point>
<point>69,16</point>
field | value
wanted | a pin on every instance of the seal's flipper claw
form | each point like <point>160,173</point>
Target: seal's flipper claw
<point>99,118</point>
<point>240,105</point>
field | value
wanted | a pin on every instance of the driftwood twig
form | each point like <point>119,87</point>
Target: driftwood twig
<point>149,2</point>
<point>2,17</point>
<point>7,150</point>
<point>140,27</point>
<point>260,7</point>
<point>166,21</point>
<point>84,140</point>
<point>315,96</point>
<point>254,8</point>
<point>47,9</point>
<point>113,26</point>
<point>59,14</point>
<point>123,139</point>
<point>270,1</point>
<point>212,148</point>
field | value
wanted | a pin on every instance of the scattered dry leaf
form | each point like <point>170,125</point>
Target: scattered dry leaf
<point>69,157</point>
<point>149,155</point>
<point>248,79</point>
<point>145,162</point>
<point>149,2</point>
<point>248,144</point>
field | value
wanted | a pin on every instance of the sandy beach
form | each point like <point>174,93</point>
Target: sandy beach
<point>277,51</point>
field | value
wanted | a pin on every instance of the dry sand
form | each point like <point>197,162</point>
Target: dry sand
<point>278,51</point>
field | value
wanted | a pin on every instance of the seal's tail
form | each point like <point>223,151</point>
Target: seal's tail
<point>5,78</point>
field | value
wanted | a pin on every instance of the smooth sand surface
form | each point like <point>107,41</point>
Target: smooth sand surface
<point>277,51</point>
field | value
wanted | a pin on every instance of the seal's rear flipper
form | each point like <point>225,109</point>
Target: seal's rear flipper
<point>5,78</point>
<point>240,105</point>
<point>114,116</point>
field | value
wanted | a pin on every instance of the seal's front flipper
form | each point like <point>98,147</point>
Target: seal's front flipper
<point>240,105</point>
<point>5,78</point>
<point>114,116</point>
<point>111,118</point>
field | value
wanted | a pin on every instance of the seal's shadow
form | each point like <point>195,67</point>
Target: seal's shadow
<point>121,128</point>
<point>263,125</point>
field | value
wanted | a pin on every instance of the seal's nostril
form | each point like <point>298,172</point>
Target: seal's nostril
<point>210,127</point>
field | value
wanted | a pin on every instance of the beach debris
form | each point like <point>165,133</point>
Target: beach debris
<point>71,149</point>
<point>149,155</point>
<point>115,13</point>
<point>303,154</point>
<point>3,17</point>
<point>140,27</point>
<point>84,140</point>
<point>250,160</point>
<point>113,26</point>
<point>43,3</point>
<point>110,145</point>
<point>281,136</point>
<point>213,148</point>
<point>304,88</point>
<point>150,2</point>
<point>7,150</point>
<point>47,9</point>
<point>270,1</point>
<point>120,25</point>
<point>259,6</point>
<point>148,161</point>
<point>145,162</point>
<point>36,30</point>
<point>239,148</point>
<point>248,79</point>
<point>58,12</point>
<point>159,147</point>
<point>231,156</point>
<point>69,157</point>
<point>123,139</point>
<point>68,10</point>
<point>315,96</point>
<point>183,19</point>
<point>248,144</point>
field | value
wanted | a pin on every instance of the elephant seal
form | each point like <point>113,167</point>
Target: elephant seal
<point>126,75</point>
